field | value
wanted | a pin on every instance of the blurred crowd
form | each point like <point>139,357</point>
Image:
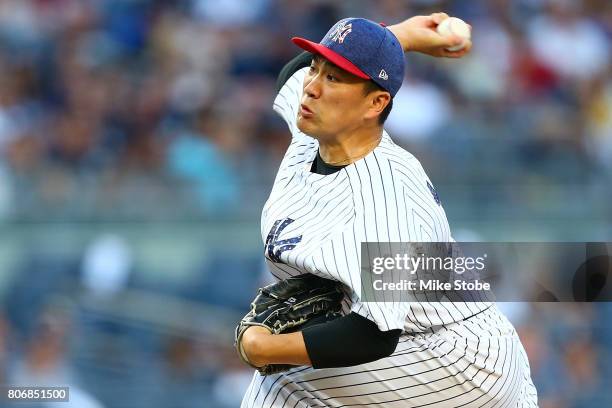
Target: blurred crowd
<point>152,110</point>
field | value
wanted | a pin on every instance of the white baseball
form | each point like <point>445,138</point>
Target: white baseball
<point>456,26</point>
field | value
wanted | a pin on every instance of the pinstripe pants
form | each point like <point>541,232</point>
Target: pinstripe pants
<point>479,362</point>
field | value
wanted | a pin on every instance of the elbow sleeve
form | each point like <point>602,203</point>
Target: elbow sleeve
<point>297,63</point>
<point>347,341</point>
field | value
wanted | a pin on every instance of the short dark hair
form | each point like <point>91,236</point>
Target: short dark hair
<point>371,86</point>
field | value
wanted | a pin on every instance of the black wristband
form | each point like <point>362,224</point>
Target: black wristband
<point>347,341</point>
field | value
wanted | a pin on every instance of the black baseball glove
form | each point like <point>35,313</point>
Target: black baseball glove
<point>290,305</point>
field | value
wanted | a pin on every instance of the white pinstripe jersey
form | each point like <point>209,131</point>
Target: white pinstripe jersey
<point>315,223</point>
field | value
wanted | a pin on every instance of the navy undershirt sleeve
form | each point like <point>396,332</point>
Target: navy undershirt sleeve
<point>347,341</point>
<point>302,60</point>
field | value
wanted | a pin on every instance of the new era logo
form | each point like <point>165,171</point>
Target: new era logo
<point>383,75</point>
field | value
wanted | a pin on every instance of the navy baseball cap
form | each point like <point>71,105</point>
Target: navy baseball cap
<point>363,48</point>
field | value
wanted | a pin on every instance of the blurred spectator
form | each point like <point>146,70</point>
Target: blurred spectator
<point>184,373</point>
<point>45,362</point>
<point>107,265</point>
<point>195,158</point>
<point>573,46</point>
<point>419,109</point>
<point>5,335</point>
<point>598,112</point>
<point>230,13</point>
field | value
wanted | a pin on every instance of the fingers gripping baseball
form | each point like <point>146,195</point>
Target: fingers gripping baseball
<point>437,18</point>
<point>421,34</point>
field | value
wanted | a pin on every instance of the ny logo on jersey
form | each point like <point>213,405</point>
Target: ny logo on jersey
<point>434,193</point>
<point>340,32</point>
<point>274,247</point>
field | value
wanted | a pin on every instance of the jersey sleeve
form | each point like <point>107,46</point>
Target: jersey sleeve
<point>387,316</point>
<point>340,259</point>
<point>288,99</point>
<point>396,203</point>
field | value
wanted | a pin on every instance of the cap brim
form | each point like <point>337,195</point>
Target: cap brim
<point>330,55</point>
